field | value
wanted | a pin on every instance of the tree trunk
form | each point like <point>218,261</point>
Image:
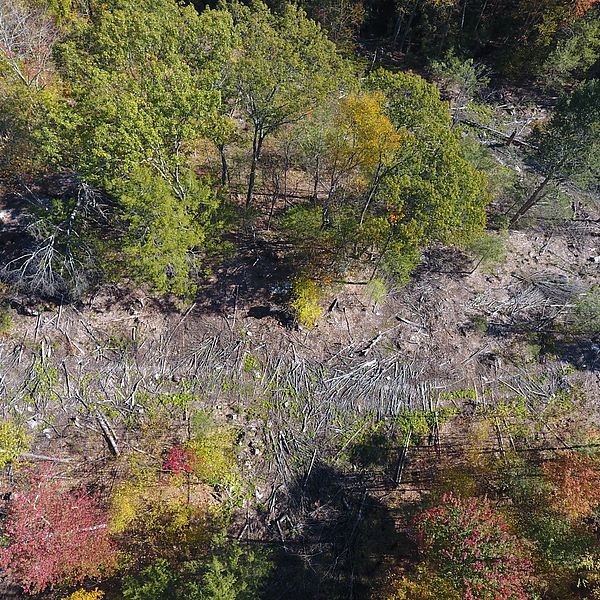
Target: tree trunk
<point>411,18</point>
<point>326,220</point>
<point>256,148</point>
<point>383,251</point>
<point>325,215</point>
<point>272,210</point>
<point>224,165</point>
<point>537,195</point>
<point>397,28</point>
<point>444,36</point>
<point>481,13</point>
<point>371,194</point>
<point>315,192</point>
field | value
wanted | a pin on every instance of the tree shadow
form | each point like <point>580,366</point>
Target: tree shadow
<point>334,537</point>
<point>450,261</point>
<point>581,353</point>
<point>256,281</point>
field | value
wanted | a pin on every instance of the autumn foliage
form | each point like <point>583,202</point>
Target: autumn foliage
<point>470,545</point>
<point>584,6</point>
<point>179,460</point>
<point>575,479</point>
<point>95,594</point>
<point>54,535</point>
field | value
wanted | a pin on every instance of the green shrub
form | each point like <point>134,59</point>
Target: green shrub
<point>13,442</point>
<point>466,79</point>
<point>306,295</point>
<point>377,290</point>
<point>6,319</point>
<point>480,324</point>
<point>489,250</point>
<point>401,260</point>
<point>586,317</point>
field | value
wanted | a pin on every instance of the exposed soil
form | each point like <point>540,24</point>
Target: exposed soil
<point>75,371</point>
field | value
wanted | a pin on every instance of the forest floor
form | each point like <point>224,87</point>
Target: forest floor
<point>453,328</point>
<point>458,337</point>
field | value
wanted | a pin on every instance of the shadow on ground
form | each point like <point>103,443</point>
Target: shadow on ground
<point>256,282</point>
<point>336,539</point>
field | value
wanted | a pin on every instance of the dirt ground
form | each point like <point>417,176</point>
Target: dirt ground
<point>76,373</point>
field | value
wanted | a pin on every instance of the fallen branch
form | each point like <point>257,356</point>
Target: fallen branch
<point>510,139</point>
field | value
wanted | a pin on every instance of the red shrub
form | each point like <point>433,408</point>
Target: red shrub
<point>179,460</point>
<point>54,536</point>
<point>470,545</point>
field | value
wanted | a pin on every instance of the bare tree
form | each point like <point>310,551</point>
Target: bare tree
<point>58,260</point>
<point>27,35</point>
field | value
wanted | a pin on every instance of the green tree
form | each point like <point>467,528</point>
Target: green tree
<point>143,80</point>
<point>163,229</point>
<point>140,80</point>
<point>538,27</point>
<point>351,144</point>
<point>229,572</point>
<point>29,90</point>
<point>432,193</point>
<point>283,68</point>
<point>568,146</point>
<point>393,177</point>
<point>341,19</point>
<point>586,313</point>
<point>576,51</point>
<point>232,573</point>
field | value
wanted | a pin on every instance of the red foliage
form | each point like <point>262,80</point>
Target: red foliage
<point>179,460</point>
<point>470,545</point>
<point>54,535</point>
<point>575,479</point>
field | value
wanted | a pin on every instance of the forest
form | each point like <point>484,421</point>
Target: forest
<point>299,300</point>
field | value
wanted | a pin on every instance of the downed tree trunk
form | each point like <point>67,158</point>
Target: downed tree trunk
<point>509,139</point>
<point>108,435</point>
<point>537,195</point>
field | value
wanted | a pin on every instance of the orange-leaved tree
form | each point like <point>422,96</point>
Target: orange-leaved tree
<point>575,481</point>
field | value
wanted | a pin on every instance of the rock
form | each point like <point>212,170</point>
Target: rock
<point>29,312</point>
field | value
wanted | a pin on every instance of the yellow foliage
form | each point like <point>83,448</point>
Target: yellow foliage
<point>305,301</point>
<point>368,133</point>
<point>13,442</point>
<point>85,595</point>
<point>458,481</point>
<point>157,517</point>
<point>214,457</point>
<point>480,433</point>
<point>422,585</point>
<point>125,505</point>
